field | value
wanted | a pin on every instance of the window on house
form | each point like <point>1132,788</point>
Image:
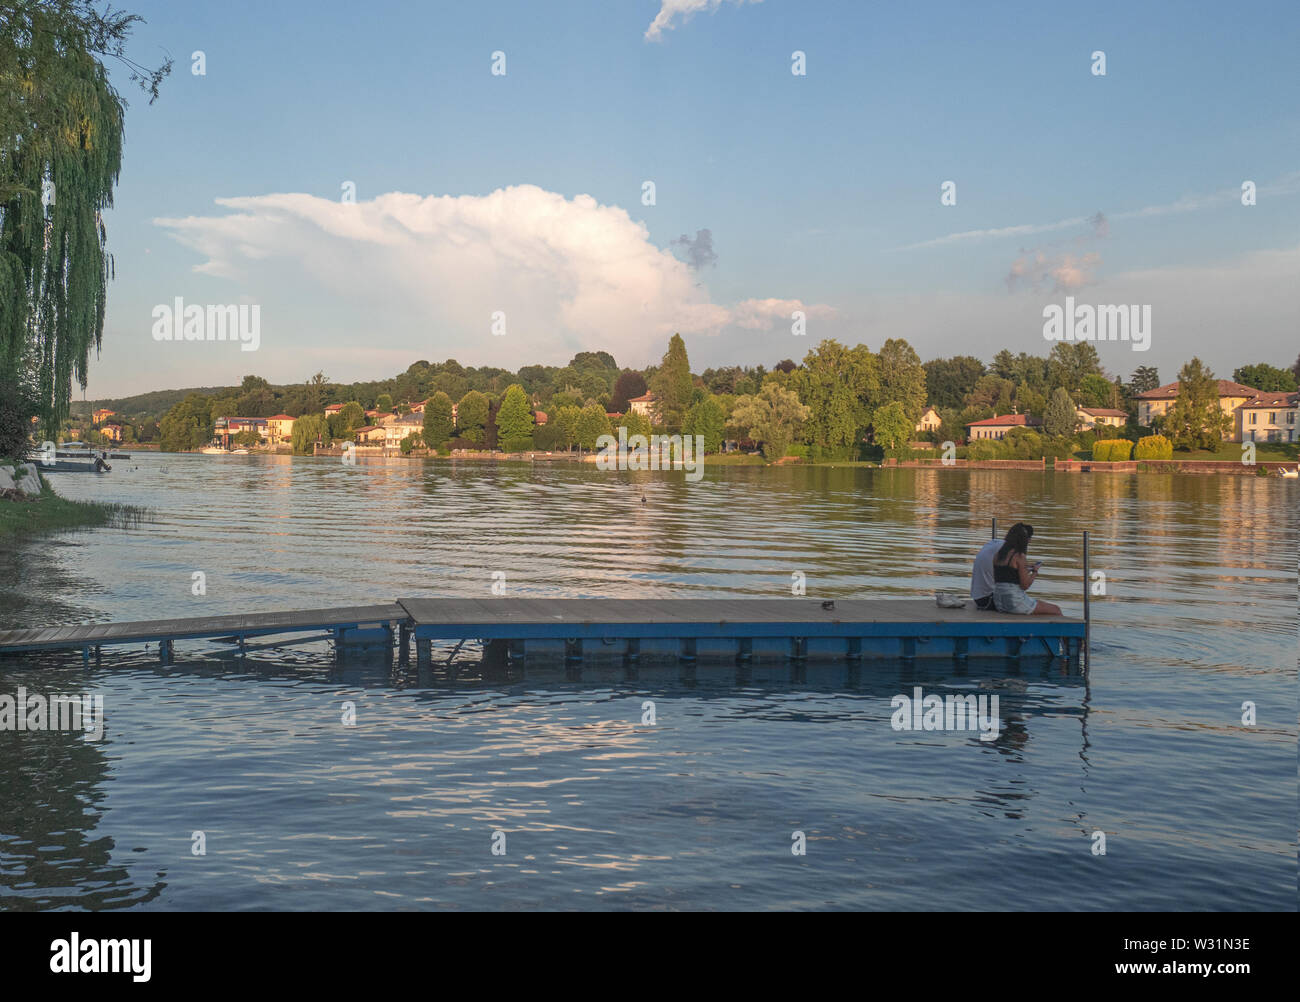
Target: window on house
<point>1272,417</point>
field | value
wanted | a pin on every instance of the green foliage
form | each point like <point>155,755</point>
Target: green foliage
<point>565,422</point>
<point>307,430</point>
<point>1268,378</point>
<point>636,424</point>
<point>1112,450</point>
<point>902,378</point>
<point>672,385</point>
<point>352,416</point>
<point>1196,421</point>
<point>1144,379</point>
<point>772,416</point>
<point>1069,362</point>
<point>839,386</point>
<point>437,420</point>
<point>1061,417</point>
<point>591,424</point>
<point>472,416</point>
<point>949,380</point>
<point>515,420</point>
<point>384,402</point>
<point>186,426</point>
<point>1098,391</point>
<point>409,443</point>
<point>247,438</point>
<point>1154,447</point>
<point>61,122</point>
<point>16,413</point>
<point>706,418</point>
<point>891,427</point>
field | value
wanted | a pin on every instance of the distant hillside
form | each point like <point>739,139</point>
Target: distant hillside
<point>154,403</point>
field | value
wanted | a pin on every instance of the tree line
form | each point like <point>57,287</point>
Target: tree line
<point>832,405</point>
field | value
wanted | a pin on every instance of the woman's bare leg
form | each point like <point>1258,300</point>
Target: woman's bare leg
<point>1046,609</point>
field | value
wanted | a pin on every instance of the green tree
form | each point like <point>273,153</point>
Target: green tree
<point>307,430</point>
<point>384,402</point>
<point>61,125</point>
<point>1144,378</point>
<point>591,424</point>
<point>437,421</point>
<point>634,423</point>
<point>1097,391</point>
<point>672,385</point>
<point>773,417</point>
<point>1070,362</point>
<point>891,426</point>
<point>902,378</point>
<point>351,417</point>
<point>188,425</point>
<point>515,420</point>
<point>1268,378</point>
<point>948,380</point>
<point>706,418</point>
<point>565,420</point>
<point>839,386</point>
<point>1061,417</point>
<point>1196,421</point>
<point>472,416</point>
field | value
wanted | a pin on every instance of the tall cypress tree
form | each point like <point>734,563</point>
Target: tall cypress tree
<point>672,385</point>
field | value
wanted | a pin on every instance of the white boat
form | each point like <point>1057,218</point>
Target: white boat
<point>239,452</point>
<point>1291,474</point>
<point>212,450</point>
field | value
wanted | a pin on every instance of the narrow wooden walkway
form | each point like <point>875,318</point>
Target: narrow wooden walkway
<point>238,628</point>
<point>686,628</point>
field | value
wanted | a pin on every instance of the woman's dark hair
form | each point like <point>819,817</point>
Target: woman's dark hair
<point>1017,542</point>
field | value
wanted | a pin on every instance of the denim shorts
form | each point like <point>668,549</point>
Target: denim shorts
<point>1012,598</point>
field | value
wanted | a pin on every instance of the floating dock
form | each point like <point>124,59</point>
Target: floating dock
<point>576,629</point>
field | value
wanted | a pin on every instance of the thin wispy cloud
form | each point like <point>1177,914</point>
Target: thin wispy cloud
<point>1288,184</point>
<point>672,10</point>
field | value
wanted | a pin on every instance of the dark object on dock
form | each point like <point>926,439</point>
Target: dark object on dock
<point>684,628</point>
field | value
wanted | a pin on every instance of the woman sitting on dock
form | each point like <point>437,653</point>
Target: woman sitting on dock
<point>1013,574</point>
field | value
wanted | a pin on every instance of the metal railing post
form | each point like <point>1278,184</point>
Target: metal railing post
<point>1087,601</point>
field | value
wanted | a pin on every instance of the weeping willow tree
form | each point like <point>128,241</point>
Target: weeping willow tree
<point>61,124</point>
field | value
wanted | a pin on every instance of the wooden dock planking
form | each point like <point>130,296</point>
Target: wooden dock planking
<point>514,619</point>
<point>888,627</point>
<point>200,627</point>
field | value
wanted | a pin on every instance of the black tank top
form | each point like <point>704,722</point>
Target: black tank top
<point>1005,574</point>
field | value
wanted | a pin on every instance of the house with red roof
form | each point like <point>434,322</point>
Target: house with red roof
<point>1156,403</point>
<point>1269,417</point>
<point>997,427</point>
<point>1092,417</point>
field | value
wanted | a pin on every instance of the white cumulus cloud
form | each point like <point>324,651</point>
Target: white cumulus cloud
<point>429,272</point>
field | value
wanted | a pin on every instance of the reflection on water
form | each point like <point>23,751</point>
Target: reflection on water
<point>696,810</point>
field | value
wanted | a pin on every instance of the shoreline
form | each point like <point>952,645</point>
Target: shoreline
<point>1193,467</point>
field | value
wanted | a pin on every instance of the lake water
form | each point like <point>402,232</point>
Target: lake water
<point>698,810</point>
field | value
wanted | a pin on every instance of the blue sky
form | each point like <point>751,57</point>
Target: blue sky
<point>820,192</point>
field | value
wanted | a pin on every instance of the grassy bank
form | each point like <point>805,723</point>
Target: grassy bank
<point>50,512</point>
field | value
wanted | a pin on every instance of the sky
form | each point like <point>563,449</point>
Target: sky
<point>361,174</point>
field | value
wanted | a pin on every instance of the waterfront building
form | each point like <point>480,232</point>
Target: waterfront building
<point>1092,417</point>
<point>997,427</point>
